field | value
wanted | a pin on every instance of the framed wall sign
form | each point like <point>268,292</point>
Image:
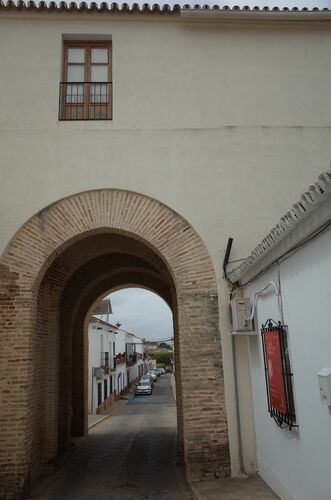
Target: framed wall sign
<point>278,374</point>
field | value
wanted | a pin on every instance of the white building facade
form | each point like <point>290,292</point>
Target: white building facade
<point>101,366</point>
<point>116,362</point>
<point>288,278</point>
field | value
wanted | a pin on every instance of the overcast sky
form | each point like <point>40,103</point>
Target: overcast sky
<point>142,312</point>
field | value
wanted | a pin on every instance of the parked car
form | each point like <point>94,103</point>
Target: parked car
<point>153,375</point>
<point>148,378</point>
<point>144,387</point>
<point>156,372</point>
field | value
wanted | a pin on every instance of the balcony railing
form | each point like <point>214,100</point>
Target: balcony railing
<point>105,359</point>
<point>108,363</point>
<point>112,365</point>
<point>120,358</point>
<point>131,359</point>
<point>85,101</point>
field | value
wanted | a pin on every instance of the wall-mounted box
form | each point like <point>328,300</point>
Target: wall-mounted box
<point>238,309</point>
<point>324,380</point>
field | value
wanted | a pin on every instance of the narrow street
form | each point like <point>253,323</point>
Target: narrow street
<point>130,455</point>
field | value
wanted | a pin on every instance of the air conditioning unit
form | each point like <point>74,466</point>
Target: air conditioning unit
<point>240,306</point>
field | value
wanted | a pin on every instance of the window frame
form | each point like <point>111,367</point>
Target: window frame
<point>87,45</point>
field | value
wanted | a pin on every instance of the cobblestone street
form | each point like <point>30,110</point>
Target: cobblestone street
<point>129,456</point>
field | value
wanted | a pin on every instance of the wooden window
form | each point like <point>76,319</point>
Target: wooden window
<point>86,87</point>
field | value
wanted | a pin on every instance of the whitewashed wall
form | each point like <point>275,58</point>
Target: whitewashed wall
<point>297,464</point>
<point>120,378</point>
<point>120,342</point>
<point>139,349</point>
<point>98,336</point>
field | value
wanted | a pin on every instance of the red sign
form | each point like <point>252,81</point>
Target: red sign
<point>274,370</point>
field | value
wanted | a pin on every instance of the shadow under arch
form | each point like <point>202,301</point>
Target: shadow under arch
<point>51,250</point>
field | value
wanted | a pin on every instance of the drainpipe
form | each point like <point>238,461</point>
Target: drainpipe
<point>235,373</point>
<point>236,396</point>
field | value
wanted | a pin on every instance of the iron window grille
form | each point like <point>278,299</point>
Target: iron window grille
<point>287,416</point>
<point>85,101</point>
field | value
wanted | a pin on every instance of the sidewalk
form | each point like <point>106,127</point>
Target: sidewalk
<point>251,488</point>
<point>115,408</point>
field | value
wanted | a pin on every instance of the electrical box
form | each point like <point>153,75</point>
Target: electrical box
<point>324,380</point>
<point>240,306</point>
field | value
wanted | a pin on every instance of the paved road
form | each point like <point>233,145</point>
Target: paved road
<point>129,456</point>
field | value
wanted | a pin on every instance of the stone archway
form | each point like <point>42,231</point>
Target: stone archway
<point>44,261</point>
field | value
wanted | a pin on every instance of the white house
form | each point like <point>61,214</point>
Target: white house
<point>101,365</point>
<point>116,362</point>
<point>287,279</point>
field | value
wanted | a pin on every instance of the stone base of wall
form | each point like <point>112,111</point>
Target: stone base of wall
<point>106,404</point>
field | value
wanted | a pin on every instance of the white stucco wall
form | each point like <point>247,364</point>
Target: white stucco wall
<point>120,341</point>
<point>216,107</point>
<point>95,332</point>
<point>235,112</point>
<point>120,377</point>
<point>120,368</point>
<point>297,464</point>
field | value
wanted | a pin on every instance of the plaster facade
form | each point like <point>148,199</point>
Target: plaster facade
<point>216,106</point>
<point>101,339</point>
<point>296,463</point>
<point>223,121</point>
<point>104,337</point>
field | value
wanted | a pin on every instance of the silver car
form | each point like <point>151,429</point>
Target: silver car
<point>144,387</point>
<point>148,378</point>
<point>153,375</point>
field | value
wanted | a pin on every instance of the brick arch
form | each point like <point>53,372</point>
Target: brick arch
<point>48,242</point>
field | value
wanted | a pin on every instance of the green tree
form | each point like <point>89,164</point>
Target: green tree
<point>162,357</point>
<point>164,345</point>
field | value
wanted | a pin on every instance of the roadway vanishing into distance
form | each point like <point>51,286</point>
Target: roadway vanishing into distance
<point>128,456</point>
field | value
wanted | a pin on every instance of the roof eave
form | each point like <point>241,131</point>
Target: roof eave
<point>297,225</point>
<point>196,12</point>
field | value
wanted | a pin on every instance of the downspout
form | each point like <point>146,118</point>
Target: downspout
<point>236,395</point>
<point>235,374</point>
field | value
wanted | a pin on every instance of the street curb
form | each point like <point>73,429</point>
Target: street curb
<point>110,414</point>
<point>93,424</point>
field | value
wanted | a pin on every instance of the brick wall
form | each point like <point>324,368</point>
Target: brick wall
<point>57,265</point>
